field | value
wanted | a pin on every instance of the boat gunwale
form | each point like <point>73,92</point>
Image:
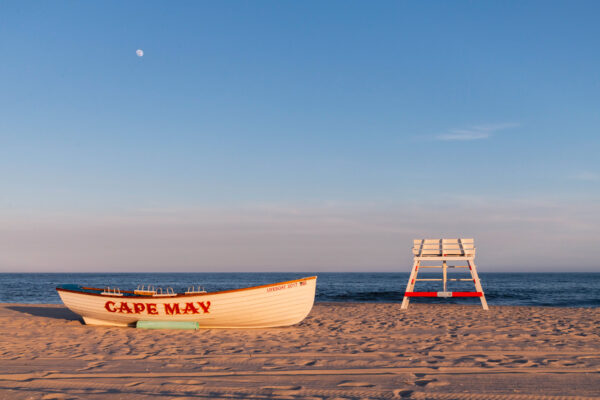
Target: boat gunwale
<point>144,296</point>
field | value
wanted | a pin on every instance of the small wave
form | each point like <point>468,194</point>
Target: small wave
<point>363,296</point>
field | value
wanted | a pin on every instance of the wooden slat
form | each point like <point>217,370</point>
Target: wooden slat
<point>443,247</point>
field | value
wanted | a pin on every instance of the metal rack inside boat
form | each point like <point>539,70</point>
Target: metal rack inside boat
<point>149,290</point>
<point>195,290</point>
<point>112,291</point>
<point>141,290</point>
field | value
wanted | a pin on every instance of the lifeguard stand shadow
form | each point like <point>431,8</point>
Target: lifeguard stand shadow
<point>47,312</point>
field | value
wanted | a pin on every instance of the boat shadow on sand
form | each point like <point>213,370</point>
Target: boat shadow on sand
<point>48,312</point>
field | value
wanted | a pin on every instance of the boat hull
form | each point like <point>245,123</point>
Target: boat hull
<point>278,304</point>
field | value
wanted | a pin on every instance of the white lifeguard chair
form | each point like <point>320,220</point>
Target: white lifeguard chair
<point>426,251</point>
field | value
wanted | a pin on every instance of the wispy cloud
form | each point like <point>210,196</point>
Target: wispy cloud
<point>474,132</point>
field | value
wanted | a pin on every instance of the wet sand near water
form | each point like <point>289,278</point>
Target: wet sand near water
<point>341,351</point>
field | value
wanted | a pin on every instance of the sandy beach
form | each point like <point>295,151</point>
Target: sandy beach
<point>341,351</point>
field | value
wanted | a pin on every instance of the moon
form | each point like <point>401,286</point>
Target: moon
<point>139,52</point>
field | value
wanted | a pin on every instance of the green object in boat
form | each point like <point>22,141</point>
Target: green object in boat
<point>167,325</point>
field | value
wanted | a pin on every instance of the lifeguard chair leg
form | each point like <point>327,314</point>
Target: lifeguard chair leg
<point>477,282</point>
<point>411,284</point>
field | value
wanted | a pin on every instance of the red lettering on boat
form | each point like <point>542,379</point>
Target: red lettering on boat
<point>275,288</point>
<point>171,309</point>
<point>138,307</point>
<point>151,309</point>
<point>204,306</point>
<point>125,308</point>
<point>190,308</point>
<point>110,306</point>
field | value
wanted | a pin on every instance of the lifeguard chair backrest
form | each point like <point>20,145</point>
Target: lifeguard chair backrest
<point>443,247</point>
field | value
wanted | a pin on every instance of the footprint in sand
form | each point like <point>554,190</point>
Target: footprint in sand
<point>519,361</point>
<point>215,368</point>
<point>402,393</point>
<point>282,391</point>
<point>423,382</point>
<point>92,365</point>
<point>56,396</point>
<point>465,360</point>
<point>586,357</point>
<point>283,387</point>
<point>568,363</point>
<point>355,384</point>
<point>546,361</point>
<point>430,383</point>
<point>187,382</point>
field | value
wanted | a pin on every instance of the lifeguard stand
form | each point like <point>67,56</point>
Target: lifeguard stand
<point>443,250</point>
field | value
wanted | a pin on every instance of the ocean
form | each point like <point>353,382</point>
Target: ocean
<point>530,289</point>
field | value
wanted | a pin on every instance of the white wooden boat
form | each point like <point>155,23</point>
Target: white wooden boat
<point>277,304</point>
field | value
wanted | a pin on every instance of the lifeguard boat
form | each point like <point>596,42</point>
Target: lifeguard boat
<point>277,304</point>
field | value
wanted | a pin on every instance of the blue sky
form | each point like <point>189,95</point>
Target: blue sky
<point>332,111</point>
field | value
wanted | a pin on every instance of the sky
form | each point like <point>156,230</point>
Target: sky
<point>297,136</point>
